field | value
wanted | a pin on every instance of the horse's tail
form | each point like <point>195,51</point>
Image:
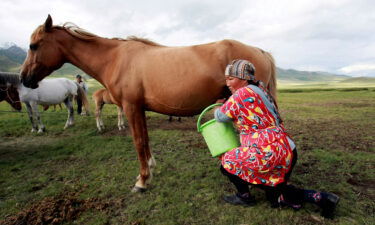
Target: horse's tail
<point>81,94</point>
<point>272,82</point>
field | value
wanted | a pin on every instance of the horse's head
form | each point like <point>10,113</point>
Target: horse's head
<point>9,93</point>
<point>43,57</point>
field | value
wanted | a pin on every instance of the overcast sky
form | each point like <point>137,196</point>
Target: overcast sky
<point>336,36</point>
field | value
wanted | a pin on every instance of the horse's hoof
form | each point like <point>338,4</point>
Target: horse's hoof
<point>67,126</point>
<point>138,189</point>
<point>33,130</point>
<point>40,131</point>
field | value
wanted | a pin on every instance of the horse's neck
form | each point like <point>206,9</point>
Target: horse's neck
<point>89,56</point>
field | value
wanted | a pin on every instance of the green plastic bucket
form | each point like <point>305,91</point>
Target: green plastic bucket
<point>219,137</point>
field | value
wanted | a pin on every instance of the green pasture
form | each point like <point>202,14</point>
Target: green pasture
<point>359,82</point>
<point>80,176</point>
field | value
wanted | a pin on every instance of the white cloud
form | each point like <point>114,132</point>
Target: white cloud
<point>360,69</point>
<point>310,68</point>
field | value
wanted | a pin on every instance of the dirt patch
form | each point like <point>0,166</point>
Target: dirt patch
<point>186,123</point>
<point>305,167</point>
<point>115,132</point>
<point>362,187</point>
<point>308,133</point>
<point>55,210</point>
<point>9,142</point>
<point>193,141</point>
<point>12,148</point>
<point>330,134</point>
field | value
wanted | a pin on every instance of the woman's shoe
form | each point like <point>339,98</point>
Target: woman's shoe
<point>328,204</point>
<point>283,202</point>
<point>238,199</point>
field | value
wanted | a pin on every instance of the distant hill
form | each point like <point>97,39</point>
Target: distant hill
<point>8,65</point>
<point>307,76</point>
<point>12,57</point>
<point>14,53</point>
<point>359,80</point>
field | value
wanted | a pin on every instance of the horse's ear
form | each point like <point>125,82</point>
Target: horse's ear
<point>48,24</point>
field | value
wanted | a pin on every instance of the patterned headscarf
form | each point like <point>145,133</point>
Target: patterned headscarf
<point>242,69</point>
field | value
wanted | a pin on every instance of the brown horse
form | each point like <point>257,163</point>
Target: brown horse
<point>46,107</point>
<point>8,89</point>
<point>142,75</point>
<point>101,97</point>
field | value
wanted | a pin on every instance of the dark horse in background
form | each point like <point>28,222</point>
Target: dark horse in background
<point>8,90</point>
<point>142,75</point>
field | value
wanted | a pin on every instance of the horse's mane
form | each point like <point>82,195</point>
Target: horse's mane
<point>78,32</point>
<point>143,40</point>
<point>7,77</point>
<point>83,34</point>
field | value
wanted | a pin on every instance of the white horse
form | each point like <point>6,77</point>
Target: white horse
<point>51,92</point>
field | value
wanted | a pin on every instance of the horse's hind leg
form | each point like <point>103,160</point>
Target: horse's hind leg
<point>98,115</point>
<point>69,106</point>
<point>101,124</point>
<point>120,118</point>
<point>31,117</point>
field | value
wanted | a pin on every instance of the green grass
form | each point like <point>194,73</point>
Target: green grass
<point>333,129</point>
<point>350,83</point>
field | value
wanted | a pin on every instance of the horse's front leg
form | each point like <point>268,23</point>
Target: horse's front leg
<point>137,123</point>
<point>120,118</point>
<point>31,117</point>
<point>69,106</point>
<point>34,107</point>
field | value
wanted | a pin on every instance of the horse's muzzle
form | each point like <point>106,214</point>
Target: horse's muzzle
<point>29,82</point>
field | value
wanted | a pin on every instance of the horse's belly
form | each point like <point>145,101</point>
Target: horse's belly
<point>184,96</point>
<point>52,99</point>
<point>188,104</point>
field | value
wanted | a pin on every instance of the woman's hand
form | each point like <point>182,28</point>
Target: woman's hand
<point>221,100</point>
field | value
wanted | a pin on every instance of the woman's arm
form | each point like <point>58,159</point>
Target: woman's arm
<point>221,117</point>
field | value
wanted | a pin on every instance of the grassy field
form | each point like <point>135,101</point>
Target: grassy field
<point>80,176</point>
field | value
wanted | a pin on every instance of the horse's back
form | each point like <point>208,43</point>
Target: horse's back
<point>183,80</point>
<point>61,84</point>
<point>50,91</point>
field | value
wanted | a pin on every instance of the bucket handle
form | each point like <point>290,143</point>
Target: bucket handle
<point>204,112</point>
